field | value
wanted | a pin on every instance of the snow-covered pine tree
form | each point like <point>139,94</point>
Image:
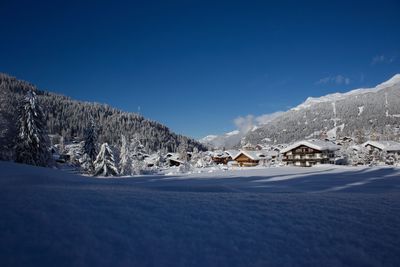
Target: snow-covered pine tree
<point>138,166</point>
<point>9,104</point>
<point>125,164</point>
<point>4,125</point>
<point>396,160</point>
<point>364,156</point>
<point>159,160</point>
<point>89,147</point>
<point>377,157</point>
<point>390,158</point>
<point>104,164</point>
<point>183,151</point>
<point>62,145</point>
<point>197,159</point>
<point>137,153</point>
<point>183,155</point>
<point>137,148</point>
<point>32,142</point>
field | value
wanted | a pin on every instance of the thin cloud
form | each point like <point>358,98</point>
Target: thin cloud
<point>338,79</point>
<point>265,118</point>
<point>246,123</point>
<point>382,59</point>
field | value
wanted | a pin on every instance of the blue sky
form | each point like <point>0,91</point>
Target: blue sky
<point>195,66</point>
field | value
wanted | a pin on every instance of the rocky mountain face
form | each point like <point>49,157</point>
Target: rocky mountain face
<point>367,113</point>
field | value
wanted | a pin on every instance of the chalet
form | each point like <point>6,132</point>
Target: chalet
<point>232,153</point>
<point>249,147</point>
<point>344,140</point>
<point>273,156</point>
<point>387,146</point>
<point>260,147</point>
<point>220,157</point>
<point>310,152</point>
<point>276,148</point>
<point>173,159</point>
<point>246,158</point>
<point>152,160</point>
<point>223,157</point>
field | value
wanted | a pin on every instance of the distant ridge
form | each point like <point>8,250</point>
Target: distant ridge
<point>366,113</point>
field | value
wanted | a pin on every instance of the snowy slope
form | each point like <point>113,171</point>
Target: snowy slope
<point>227,140</point>
<point>394,81</point>
<point>235,139</point>
<point>324,216</point>
<point>359,113</point>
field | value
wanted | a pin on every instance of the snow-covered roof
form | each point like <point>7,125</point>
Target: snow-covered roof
<point>224,154</point>
<point>384,145</point>
<point>173,157</point>
<point>248,146</point>
<point>232,153</point>
<point>219,154</point>
<point>176,158</point>
<point>355,147</point>
<point>152,158</point>
<point>262,146</point>
<point>257,155</point>
<point>315,144</point>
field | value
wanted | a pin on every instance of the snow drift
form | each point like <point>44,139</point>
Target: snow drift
<point>259,217</point>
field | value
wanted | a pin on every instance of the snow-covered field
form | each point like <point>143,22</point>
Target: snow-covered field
<point>322,216</point>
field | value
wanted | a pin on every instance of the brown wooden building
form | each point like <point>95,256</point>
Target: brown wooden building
<point>223,157</point>
<point>254,158</point>
<point>387,146</point>
<point>310,152</point>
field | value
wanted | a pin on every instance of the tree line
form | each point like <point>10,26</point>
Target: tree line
<point>67,118</point>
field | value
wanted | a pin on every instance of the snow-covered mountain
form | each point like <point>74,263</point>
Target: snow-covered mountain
<point>395,80</point>
<point>235,138</point>
<point>227,140</point>
<point>361,113</point>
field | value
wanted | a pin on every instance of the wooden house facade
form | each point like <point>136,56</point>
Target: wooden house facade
<point>387,146</point>
<point>223,157</point>
<point>309,153</point>
<point>244,160</point>
<point>254,158</point>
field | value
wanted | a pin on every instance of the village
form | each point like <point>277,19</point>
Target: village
<point>305,153</point>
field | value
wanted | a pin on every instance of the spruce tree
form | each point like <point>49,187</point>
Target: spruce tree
<point>125,164</point>
<point>89,147</point>
<point>137,153</point>
<point>183,151</point>
<point>8,126</point>
<point>104,164</point>
<point>3,125</point>
<point>32,143</point>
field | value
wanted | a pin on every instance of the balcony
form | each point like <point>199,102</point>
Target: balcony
<point>306,158</point>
